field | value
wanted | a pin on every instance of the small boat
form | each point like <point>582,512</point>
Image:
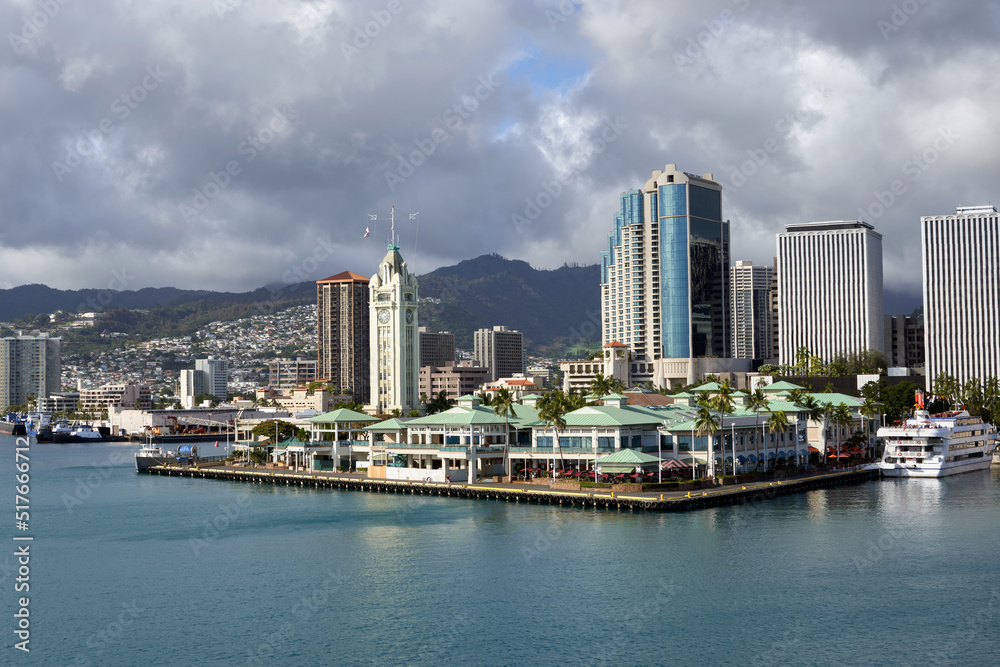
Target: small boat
<point>64,433</point>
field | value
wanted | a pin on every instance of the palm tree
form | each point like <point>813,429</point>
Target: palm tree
<point>724,404</point>
<point>869,410</point>
<point>757,402</point>
<point>705,424</point>
<point>991,398</point>
<point>946,386</point>
<point>814,412</point>
<point>551,408</point>
<point>503,406</point>
<point>600,386</point>
<point>841,417</point>
<point>777,423</point>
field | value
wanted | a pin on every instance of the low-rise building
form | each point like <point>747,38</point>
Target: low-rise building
<point>107,397</point>
<point>455,379</point>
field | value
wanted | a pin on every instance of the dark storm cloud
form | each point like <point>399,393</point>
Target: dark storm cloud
<point>231,144</point>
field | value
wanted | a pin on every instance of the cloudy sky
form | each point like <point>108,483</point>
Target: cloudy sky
<point>225,144</point>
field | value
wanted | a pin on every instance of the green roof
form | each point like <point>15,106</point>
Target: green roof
<point>835,399</point>
<point>781,386</point>
<point>627,456</point>
<point>708,386</point>
<point>341,416</point>
<point>394,424</point>
<point>461,415</point>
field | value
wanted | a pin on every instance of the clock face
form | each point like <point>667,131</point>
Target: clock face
<point>383,316</point>
<point>409,316</point>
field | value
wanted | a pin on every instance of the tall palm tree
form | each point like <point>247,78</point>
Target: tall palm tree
<point>551,408</point>
<point>757,402</point>
<point>777,423</point>
<point>946,386</point>
<point>869,410</point>
<point>814,412</point>
<point>705,424</point>
<point>503,406</point>
<point>991,398</point>
<point>724,403</point>
<point>842,417</point>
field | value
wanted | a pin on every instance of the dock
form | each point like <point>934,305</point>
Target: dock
<point>672,501</point>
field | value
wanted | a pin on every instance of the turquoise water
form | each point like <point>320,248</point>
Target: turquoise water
<point>133,569</point>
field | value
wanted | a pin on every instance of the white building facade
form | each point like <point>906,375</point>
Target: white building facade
<point>751,310</point>
<point>960,259</point>
<point>394,350</point>
<point>829,289</point>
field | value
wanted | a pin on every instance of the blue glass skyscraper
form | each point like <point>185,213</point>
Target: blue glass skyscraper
<point>665,271</point>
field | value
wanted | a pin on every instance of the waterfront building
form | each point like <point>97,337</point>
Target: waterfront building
<point>751,310</point>
<point>665,280</point>
<point>393,350</point>
<point>120,395</point>
<point>30,366</point>
<point>904,341</point>
<point>829,289</point>
<point>301,399</point>
<point>518,386</point>
<point>499,349</point>
<point>437,348</point>
<point>291,373</point>
<point>61,401</point>
<point>215,374</point>
<point>343,339</point>
<point>960,261</point>
<point>456,379</point>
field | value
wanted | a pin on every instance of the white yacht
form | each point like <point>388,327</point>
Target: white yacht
<point>936,445</point>
<point>150,455</point>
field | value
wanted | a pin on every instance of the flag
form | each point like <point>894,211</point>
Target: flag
<point>367,232</point>
<point>216,443</point>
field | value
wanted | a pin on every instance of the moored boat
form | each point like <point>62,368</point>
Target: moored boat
<point>937,445</point>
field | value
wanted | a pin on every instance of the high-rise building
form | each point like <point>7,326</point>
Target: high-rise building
<point>437,348</point>
<point>343,339</point>
<point>829,289</point>
<point>499,349</point>
<point>665,276</point>
<point>904,341</point>
<point>961,283</point>
<point>29,366</point>
<point>216,374</point>
<point>192,384</point>
<point>751,310</point>
<point>394,352</point>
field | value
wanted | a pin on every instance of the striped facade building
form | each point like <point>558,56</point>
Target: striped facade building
<point>829,289</point>
<point>751,310</point>
<point>343,333</point>
<point>960,258</point>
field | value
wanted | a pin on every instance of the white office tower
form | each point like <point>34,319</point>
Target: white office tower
<point>961,281</point>
<point>751,310</point>
<point>216,374</point>
<point>829,289</point>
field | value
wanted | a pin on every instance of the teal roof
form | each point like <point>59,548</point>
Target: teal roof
<point>781,386</point>
<point>835,399</point>
<point>535,396</point>
<point>610,415</point>
<point>627,456</point>
<point>682,394</point>
<point>708,386</point>
<point>341,416</point>
<point>461,414</point>
<point>394,424</point>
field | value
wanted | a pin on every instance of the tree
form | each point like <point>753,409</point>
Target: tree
<point>777,423</point>
<point>551,408</point>
<point>204,396</point>
<point>267,429</point>
<point>843,418</point>
<point>600,386</point>
<point>757,402</point>
<point>945,385</point>
<point>503,406</point>
<point>869,410</point>
<point>439,404</point>
<point>814,412</point>
<point>705,424</point>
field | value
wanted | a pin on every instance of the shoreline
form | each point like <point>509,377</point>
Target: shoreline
<point>672,501</point>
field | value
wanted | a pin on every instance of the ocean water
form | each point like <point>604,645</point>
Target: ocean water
<point>131,569</point>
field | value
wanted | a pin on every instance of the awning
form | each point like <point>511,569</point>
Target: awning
<point>741,458</point>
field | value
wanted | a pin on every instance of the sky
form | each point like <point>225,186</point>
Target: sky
<point>229,144</point>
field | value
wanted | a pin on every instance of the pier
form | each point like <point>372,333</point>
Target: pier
<point>673,501</point>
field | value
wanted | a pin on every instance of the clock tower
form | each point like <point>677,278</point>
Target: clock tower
<point>393,349</point>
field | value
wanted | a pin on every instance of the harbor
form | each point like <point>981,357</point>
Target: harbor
<point>656,501</point>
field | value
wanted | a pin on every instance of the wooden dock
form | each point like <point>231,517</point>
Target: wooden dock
<point>675,501</point>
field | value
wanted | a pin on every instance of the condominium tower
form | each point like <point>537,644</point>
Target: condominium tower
<point>342,333</point>
<point>961,283</point>
<point>29,366</point>
<point>751,310</point>
<point>499,349</point>
<point>665,275</point>
<point>829,289</point>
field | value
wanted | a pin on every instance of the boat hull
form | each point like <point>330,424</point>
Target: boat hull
<point>144,462</point>
<point>915,470</point>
